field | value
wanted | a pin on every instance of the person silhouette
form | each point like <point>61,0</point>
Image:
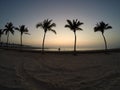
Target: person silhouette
<point>59,49</point>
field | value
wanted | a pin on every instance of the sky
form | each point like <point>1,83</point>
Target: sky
<point>90,12</point>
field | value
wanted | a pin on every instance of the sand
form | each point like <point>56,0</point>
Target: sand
<point>55,71</point>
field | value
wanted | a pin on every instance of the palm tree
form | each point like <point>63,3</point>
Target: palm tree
<point>1,32</point>
<point>74,26</point>
<point>9,28</point>
<point>23,30</point>
<point>101,26</point>
<point>46,25</point>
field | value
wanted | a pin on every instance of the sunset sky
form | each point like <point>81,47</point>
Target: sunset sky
<point>30,12</point>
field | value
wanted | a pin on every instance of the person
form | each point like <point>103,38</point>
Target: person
<point>59,49</point>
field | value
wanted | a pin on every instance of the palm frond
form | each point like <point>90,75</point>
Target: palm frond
<point>101,26</point>
<point>96,29</point>
<point>74,25</point>
<point>49,21</point>
<point>16,28</point>
<point>12,31</point>
<point>80,23</point>
<point>5,30</point>
<point>69,22</point>
<point>108,27</point>
<point>68,26</point>
<point>22,29</point>
<point>53,31</point>
<point>39,25</point>
<point>74,22</point>
<point>9,28</point>
<point>52,25</point>
<point>79,29</point>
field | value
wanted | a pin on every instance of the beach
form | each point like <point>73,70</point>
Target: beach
<point>59,71</point>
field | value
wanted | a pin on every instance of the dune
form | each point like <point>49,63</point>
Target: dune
<point>59,71</point>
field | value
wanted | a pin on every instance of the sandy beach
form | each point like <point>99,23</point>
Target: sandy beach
<point>59,71</point>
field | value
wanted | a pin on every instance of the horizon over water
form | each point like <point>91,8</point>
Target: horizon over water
<point>70,48</point>
<point>60,48</point>
<point>67,49</point>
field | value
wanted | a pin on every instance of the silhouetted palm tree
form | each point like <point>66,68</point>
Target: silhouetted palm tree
<point>1,32</point>
<point>74,26</point>
<point>9,28</point>
<point>23,30</point>
<point>101,26</point>
<point>47,26</point>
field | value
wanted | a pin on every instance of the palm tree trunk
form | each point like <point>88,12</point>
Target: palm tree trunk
<point>43,42</point>
<point>105,41</point>
<point>21,39</point>
<point>75,43</point>
<point>7,38</point>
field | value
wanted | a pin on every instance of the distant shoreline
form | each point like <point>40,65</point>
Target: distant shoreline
<point>30,49</point>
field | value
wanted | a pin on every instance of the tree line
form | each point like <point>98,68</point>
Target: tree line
<point>47,25</point>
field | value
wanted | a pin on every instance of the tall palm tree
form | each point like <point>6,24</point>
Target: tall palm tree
<point>46,25</point>
<point>74,26</point>
<point>1,32</point>
<point>23,30</point>
<point>101,26</point>
<point>9,28</point>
